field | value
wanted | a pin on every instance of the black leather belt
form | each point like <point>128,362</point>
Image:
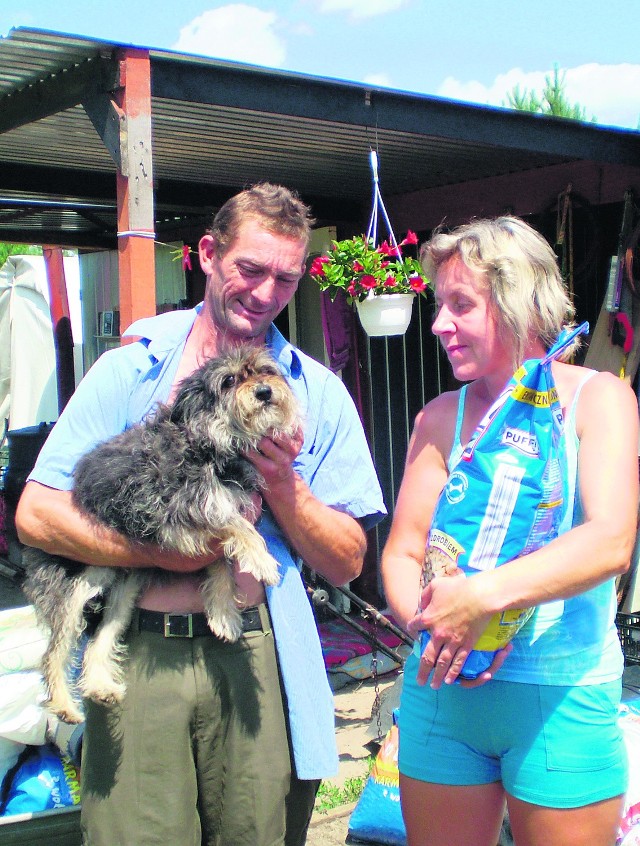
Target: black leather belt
<point>190,625</point>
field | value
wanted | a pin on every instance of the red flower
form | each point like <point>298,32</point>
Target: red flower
<point>390,282</point>
<point>358,268</point>
<point>411,238</point>
<point>386,249</point>
<point>316,268</point>
<point>417,284</point>
<point>368,282</point>
<point>351,290</point>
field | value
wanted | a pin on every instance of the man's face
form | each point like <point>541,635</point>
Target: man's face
<point>253,281</point>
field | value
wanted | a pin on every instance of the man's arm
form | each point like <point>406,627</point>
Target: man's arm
<point>47,519</point>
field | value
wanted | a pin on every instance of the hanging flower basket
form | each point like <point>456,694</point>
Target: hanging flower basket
<point>380,280</point>
<point>388,314</point>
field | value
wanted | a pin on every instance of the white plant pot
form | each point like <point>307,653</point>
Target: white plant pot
<point>388,314</point>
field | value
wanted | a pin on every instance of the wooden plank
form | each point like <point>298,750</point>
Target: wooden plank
<point>134,182</point>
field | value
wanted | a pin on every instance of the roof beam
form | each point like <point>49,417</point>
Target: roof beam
<point>355,104</point>
<point>108,121</point>
<point>61,90</point>
<point>43,180</point>
<point>70,240</point>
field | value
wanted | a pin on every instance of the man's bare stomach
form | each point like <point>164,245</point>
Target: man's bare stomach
<point>181,593</point>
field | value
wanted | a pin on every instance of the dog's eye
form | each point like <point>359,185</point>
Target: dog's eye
<point>228,382</point>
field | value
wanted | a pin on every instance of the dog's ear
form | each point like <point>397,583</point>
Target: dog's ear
<point>190,399</point>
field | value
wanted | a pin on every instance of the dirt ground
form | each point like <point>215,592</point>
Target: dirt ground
<point>356,733</point>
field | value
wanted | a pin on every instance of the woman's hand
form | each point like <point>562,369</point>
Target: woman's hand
<point>455,618</point>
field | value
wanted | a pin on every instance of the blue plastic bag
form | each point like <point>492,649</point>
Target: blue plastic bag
<point>506,495</point>
<point>377,817</point>
<point>44,780</point>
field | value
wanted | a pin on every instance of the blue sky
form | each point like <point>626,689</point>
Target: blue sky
<point>472,50</point>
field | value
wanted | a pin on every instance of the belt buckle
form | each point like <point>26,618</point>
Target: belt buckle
<point>169,618</point>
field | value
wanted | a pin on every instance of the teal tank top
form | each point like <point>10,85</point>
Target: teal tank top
<point>567,641</point>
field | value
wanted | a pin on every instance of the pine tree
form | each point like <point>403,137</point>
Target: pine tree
<point>552,100</point>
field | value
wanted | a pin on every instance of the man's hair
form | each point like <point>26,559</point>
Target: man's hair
<point>520,271</point>
<point>275,207</point>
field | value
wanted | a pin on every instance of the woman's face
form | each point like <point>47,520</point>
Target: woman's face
<point>466,324</point>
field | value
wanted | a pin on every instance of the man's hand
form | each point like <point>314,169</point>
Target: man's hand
<point>327,540</point>
<point>274,458</point>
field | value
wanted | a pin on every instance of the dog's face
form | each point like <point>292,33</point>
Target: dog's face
<point>240,395</point>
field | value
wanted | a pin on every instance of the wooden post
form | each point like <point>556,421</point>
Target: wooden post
<point>134,180</point>
<point>61,320</point>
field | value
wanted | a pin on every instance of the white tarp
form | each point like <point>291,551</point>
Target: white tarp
<point>28,389</point>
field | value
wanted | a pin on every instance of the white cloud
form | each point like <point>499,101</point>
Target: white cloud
<point>237,32</point>
<point>362,8</point>
<point>610,92</point>
<point>379,80</point>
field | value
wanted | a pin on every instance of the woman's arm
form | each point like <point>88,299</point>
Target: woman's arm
<point>424,477</point>
<point>600,548</point>
<point>456,610</point>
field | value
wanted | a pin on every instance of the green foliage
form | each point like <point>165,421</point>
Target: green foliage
<point>359,268</point>
<point>7,250</point>
<point>331,796</point>
<point>552,100</point>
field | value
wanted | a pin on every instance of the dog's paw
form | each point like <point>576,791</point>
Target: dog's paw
<point>271,574</point>
<point>264,568</point>
<point>105,695</point>
<point>226,626</point>
<point>66,710</point>
<point>100,686</point>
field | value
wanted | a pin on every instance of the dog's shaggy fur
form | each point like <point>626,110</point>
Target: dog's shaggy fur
<point>179,480</point>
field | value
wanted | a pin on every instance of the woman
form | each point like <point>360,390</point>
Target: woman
<point>539,727</point>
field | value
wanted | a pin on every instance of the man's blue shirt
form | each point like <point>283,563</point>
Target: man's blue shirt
<point>126,383</point>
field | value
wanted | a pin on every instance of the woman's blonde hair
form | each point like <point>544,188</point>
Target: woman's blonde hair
<point>521,272</point>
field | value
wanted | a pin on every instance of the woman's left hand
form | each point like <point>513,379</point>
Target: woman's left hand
<point>453,615</point>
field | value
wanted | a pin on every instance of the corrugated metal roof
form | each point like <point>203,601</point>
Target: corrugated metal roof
<point>27,56</point>
<point>221,125</point>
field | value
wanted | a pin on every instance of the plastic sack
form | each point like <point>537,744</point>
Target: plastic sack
<point>377,817</point>
<point>23,718</point>
<point>506,495</point>
<point>43,781</point>
<point>23,640</point>
<point>629,722</point>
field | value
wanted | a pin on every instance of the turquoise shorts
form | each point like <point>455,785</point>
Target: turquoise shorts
<point>560,747</point>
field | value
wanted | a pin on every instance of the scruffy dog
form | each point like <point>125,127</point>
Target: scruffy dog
<point>178,480</point>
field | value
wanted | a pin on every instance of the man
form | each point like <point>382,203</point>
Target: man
<point>217,743</point>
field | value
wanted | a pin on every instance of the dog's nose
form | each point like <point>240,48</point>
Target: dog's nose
<point>264,393</point>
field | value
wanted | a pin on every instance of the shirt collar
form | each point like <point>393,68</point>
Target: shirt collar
<point>162,333</point>
<point>284,353</point>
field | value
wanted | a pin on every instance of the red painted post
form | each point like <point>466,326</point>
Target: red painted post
<point>134,182</point>
<point>61,319</point>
